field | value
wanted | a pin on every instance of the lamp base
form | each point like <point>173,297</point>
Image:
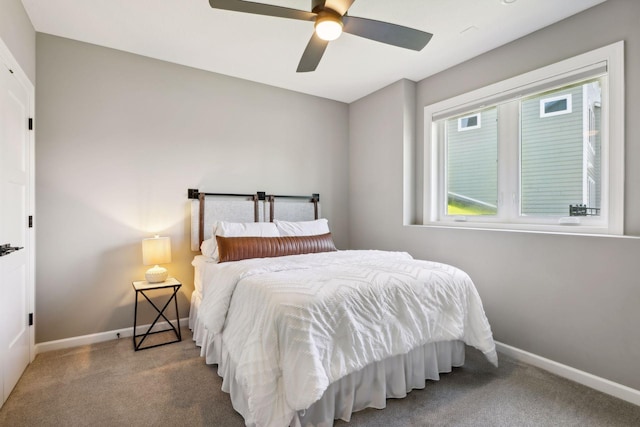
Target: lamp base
<point>156,274</point>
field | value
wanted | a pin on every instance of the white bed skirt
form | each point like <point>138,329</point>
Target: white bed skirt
<point>393,377</point>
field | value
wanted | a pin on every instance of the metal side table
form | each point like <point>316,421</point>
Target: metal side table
<point>141,288</point>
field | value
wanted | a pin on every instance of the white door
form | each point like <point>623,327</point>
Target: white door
<point>15,294</point>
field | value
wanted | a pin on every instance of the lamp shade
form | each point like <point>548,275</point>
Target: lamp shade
<point>156,250</point>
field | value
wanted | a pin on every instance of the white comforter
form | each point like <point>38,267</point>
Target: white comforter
<point>293,325</point>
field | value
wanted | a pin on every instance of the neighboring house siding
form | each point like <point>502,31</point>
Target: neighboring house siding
<point>552,157</point>
<point>471,160</point>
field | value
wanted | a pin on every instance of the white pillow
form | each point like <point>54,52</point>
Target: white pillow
<point>302,228</point>
<point>236,229</point>
<point>208,247</point>
<point>246,229</point>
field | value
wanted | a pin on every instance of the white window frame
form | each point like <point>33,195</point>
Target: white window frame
<point>567,97</point>
<point>556,75</point>
<point>478,124</point>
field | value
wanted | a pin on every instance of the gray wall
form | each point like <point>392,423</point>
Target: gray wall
<point>120,139</point>
<point>18,34</point>
<point>572,299</point>
<point>378,129</point>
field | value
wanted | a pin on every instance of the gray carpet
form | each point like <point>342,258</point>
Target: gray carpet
<point>108,384</point>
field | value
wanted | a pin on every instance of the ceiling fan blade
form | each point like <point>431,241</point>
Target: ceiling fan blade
<point>340,6</point>
<point>312,54</point>
<point>262,9</point>
<point>385,32</point>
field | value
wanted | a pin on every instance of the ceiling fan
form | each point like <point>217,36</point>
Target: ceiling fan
<point>331,19</point>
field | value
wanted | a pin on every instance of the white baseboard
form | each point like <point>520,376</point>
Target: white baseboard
<point>100,337</point>
<point>597,383</point>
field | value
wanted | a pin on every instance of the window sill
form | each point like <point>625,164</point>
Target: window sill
<point>567,230</point>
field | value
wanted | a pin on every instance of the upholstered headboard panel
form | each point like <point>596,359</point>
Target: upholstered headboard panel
<point>207,208</point>
<point>287,208</point>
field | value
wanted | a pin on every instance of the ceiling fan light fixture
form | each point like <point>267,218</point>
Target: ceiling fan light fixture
<point>328,26</point>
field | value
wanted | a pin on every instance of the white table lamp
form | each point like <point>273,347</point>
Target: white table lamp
<point>156,250</point>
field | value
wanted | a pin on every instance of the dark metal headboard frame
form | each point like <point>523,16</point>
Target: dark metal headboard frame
<point>195,194</point>
<point>315,198</point>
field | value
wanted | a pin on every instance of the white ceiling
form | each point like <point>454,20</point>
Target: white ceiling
<point>267,49</point>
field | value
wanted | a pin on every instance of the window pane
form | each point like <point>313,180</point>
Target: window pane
<point>472,166</point>
<point>560,154</point>
<point>555,106</point>
<point>470,121</point>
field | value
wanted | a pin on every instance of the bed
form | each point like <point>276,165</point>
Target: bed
<point>303,333</point>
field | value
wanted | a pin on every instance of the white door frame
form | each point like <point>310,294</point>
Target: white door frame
<point>7,58</point>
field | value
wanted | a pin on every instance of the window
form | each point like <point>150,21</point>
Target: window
<point>469,122</point>
<point>548,156</point>
<point>555,106</point>
<point>556,160</point>
<point>472,179</point>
